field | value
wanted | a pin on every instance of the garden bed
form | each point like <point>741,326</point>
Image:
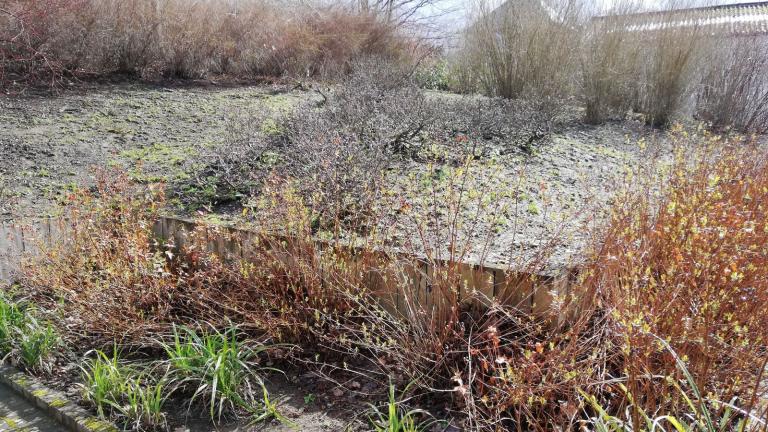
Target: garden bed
<point>340,186</point>
<point>55,143</point>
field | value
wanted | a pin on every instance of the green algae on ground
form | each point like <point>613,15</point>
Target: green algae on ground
<point>96,424</point>
<point>40,393</point>
<point>21,380</point>
<point>58,403</point>
<point>157,162</point>
<point>155,134</point>
<point>14,425</point>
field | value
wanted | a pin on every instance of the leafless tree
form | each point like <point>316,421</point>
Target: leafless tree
<point>403,12</point>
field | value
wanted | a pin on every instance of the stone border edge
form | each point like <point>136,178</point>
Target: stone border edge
<point>54,403</point>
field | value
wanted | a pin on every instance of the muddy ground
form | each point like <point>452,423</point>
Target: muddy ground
<point>51,143</point>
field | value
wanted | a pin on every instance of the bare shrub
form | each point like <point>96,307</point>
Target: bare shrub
<point>109,243</point>
<point>26,29</point>
<point>644,61</point>
<point>648,62</point>
<point>117,282</point>
<point>668,58</point>
<point>511,125</point>
<point>607,68</point>
<point>734,89</point>
<point>381,105</point>
<point>336,153</point>
<point>343,148</point>
<point>512,50</point>
<point>176,38</point>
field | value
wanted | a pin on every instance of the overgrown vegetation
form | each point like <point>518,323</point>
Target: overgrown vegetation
<point>681,269</point>
<point>25,339</point>
<point>664,325</point>
<point>663,300</point>
<point>625,60</point>
<point>546,53</point>
<point>689,252</point>
<point>48,40</point>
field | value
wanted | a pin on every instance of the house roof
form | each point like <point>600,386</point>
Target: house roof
<point>732,19</point>
<point>549,8</point>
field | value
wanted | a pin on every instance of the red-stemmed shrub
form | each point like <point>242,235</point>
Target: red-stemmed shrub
<point>685,260</point>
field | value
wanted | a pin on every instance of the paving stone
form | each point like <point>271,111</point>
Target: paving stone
<point>17,414</point>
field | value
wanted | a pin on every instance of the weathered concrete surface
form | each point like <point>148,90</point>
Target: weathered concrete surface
<point>50,404</point>
<point>17,414</point>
